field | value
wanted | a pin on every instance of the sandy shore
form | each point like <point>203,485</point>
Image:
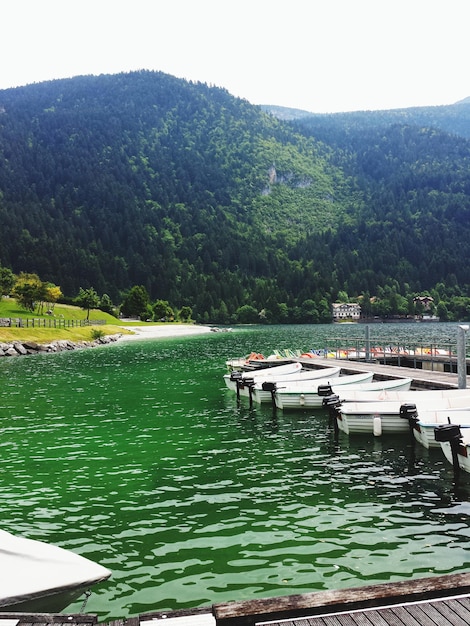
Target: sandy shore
<point>160,331</point>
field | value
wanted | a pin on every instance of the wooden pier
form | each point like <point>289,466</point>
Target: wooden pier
<point>435,601</point>
<point>422,378</point>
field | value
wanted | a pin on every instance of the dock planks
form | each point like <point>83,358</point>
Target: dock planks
<point>449,612</point>
<point>435,601</point>
<point>422,378</point>
<point>294,607</point>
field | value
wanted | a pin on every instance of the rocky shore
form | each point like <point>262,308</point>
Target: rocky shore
<point>21,348</point>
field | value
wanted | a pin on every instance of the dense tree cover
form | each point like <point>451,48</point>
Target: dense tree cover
<point>167,195</point>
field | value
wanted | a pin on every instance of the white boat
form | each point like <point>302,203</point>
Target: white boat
<point>262,390</point>
<point>37,577</point>
<point>455,444</point>
<point>237,381</point>
<point>307,396</point>
<point>425,423</point>
<point>375,391</point>
<point>384,417</point>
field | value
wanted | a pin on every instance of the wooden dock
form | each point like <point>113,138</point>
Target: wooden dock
<point>435,601</point>
<point>422,378</point>
<point>310,608</point>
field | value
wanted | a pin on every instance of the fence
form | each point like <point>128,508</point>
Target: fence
<point>51,322</point>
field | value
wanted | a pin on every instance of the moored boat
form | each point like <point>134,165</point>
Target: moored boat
<point>385,416</point>
<point>424,423</point>
<point>307,396</point>
<point>262,389</point>
<point>240,381</point>
<point>233,378</point>
<point>455,444</point>
<point>36,577</point>
<point>376,391</point>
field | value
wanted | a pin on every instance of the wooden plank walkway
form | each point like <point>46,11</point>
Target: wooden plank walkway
<point>422,378</point>
<point>454,611</point>
<point>435,601</point>
<point>295,610</point>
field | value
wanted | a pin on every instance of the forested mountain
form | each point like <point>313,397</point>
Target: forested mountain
<point>452,118</point>
<point>208,201</point>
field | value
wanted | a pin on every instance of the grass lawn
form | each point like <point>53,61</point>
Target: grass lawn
<point>9,308</point>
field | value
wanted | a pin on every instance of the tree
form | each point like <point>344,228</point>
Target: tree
<point>185,313</point>
<point>87,299</point>
<point>162,311</point>
<point>7,281</point>
<point>52,294</point>
<point>247,314</point>
<point>136,303</point>
<point>442,312</point>
<point>29,289</point>
<point>106,304</point>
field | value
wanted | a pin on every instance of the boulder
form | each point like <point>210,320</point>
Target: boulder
<point>19,347</point>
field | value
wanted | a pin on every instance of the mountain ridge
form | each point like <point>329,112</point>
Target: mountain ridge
<point>206,200</point>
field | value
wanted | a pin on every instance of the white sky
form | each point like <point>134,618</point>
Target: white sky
<point>317,55</point>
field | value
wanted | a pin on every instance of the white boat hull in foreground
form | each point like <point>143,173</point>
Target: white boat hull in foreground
<point>384,417</point>
<point>36,577</point>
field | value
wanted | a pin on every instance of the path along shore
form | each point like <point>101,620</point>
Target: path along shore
<point>161,331</point>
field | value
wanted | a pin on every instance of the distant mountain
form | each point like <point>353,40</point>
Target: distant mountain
<point>453,118</point>
<point>208,201</point>
<point>285,113</point>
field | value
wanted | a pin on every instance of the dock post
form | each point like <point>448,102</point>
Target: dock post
<point>367,344</point>
<point>461,356</point>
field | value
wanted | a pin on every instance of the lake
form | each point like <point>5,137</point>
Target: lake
<point>136,456</point>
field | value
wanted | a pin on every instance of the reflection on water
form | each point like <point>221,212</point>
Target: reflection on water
<point>135,455</point>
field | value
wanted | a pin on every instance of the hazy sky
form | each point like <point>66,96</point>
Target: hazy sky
<point>317,55</point>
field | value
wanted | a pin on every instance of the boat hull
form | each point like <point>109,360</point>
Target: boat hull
<point>463,455</point>
<point>427,421</point>
<point>302,379</point>
<point>42,578</point>
<point>305,397</point>
<point>380,418</point>
<point>234,380</point>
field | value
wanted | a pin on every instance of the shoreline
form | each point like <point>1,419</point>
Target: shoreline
<point>27,347</point>
<point>159,332</point>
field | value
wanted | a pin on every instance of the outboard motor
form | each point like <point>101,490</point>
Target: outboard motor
<point>331,403</point>
<point>450,433</point>
<point>409,412</point>
<point>270,386</point>
<point>250,383</point>
<point>324,390</point>
<point>237,378</point>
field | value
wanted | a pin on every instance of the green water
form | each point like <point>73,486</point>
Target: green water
<point>136,456</point>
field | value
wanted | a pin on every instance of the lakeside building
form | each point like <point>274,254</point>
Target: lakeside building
<point>346,311</point>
